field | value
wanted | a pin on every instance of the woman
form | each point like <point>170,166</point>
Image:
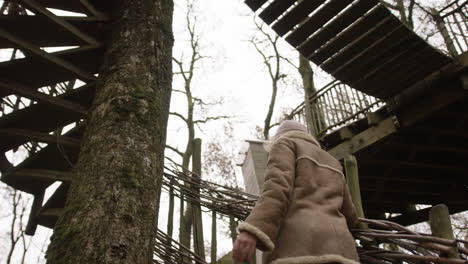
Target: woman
<point>304,211</point>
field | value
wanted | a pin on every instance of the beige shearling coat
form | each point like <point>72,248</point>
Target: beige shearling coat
<point>305,209</point>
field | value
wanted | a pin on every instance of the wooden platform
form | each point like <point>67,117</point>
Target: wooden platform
<point>358,42</point>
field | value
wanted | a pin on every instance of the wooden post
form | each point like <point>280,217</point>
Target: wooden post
<point>232,227</point>
<point>214,241</point>
<point>441,226</point>
<point>198,240</point>
<point>170,217</point>
<point>36,207</point>
<point>352,178</point>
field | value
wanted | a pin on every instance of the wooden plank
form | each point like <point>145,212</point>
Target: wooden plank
<point>375,18</point>
<point>37,8</point>
<point>380,54</point>
<point>365,138</point>
<point>349,55</point>
<point>255,4</point>
<point>275,9</point>
<point>341,22</point>
<point>361,43</point>
<point>41,73</point>
<point>393,64</point>
<point>93,10</point>
<point>42,32</point>
<point>48,175</point>
<point>30,93</point>
<point>323,15</point>
<point>28,135</point>
<point>24,45</point>
<point>295,16</point>
<point>69,5</point>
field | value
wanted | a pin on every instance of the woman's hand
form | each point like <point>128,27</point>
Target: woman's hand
<point>244,247</point>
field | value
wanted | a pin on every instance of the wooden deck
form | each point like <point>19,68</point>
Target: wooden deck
<point>358,42</point>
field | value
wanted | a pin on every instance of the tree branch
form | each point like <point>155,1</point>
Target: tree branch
<point>211,118</point>
<point>179,115</point>
<point>175,150</point>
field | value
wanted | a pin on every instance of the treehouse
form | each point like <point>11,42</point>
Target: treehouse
<point>398,105</point>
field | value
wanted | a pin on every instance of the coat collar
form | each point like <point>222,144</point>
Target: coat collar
<point>300,135</point>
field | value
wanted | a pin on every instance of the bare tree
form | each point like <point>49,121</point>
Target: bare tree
<point>266,44</point>
<point>186,68</point>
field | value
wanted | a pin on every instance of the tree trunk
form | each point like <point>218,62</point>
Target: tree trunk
<point>111,212</point>
<point>314,118</point>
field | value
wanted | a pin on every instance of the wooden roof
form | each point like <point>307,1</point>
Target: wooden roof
<point>358,42</point>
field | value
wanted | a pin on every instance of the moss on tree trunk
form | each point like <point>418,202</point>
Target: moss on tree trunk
<point>111,212</point>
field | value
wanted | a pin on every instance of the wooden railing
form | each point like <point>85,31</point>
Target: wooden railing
<point>334,106</point>
<point>452,23</point>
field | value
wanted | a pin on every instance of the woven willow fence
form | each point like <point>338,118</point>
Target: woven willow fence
<point>384,242</point>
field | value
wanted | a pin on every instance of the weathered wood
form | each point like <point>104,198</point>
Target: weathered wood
<point>352,179</point>
<point>214,241</point>
<point>62,176</point>
<point>94,11</point>
<point>365,138</point>
<point>30,135</point>
<point>35,208</point>
<point>24,45</point>
<point>170,217</point>
<point>34,6</point>
<point>345,133</point>
<point>198,240</point>
<point>441,226</point>
<point>30,93</point>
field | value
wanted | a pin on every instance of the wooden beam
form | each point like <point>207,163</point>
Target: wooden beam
<point>419,216</point>
<point>24,45</point>
<point>441,226</point>
<point>40,137</point>
<point>93,10</point>
<point>413,164</point>
<point>34,6</point>
<point>35,208</point>
<point>427,106</point>
<point>62,176</point>
<point>352,180</point>
<point>365,138</point>
<point>428,147</point>
<point>30,93</point>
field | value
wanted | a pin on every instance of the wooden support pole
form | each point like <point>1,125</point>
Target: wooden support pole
<point>198,240</point>
<point>352,178</point>
<point>232,227</point>
<point>441,226</point>
<point>36,207</point>
<point>170,216</point>
<point>214,242</point>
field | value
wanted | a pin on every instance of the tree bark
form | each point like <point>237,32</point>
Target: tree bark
<point>111,212</point>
